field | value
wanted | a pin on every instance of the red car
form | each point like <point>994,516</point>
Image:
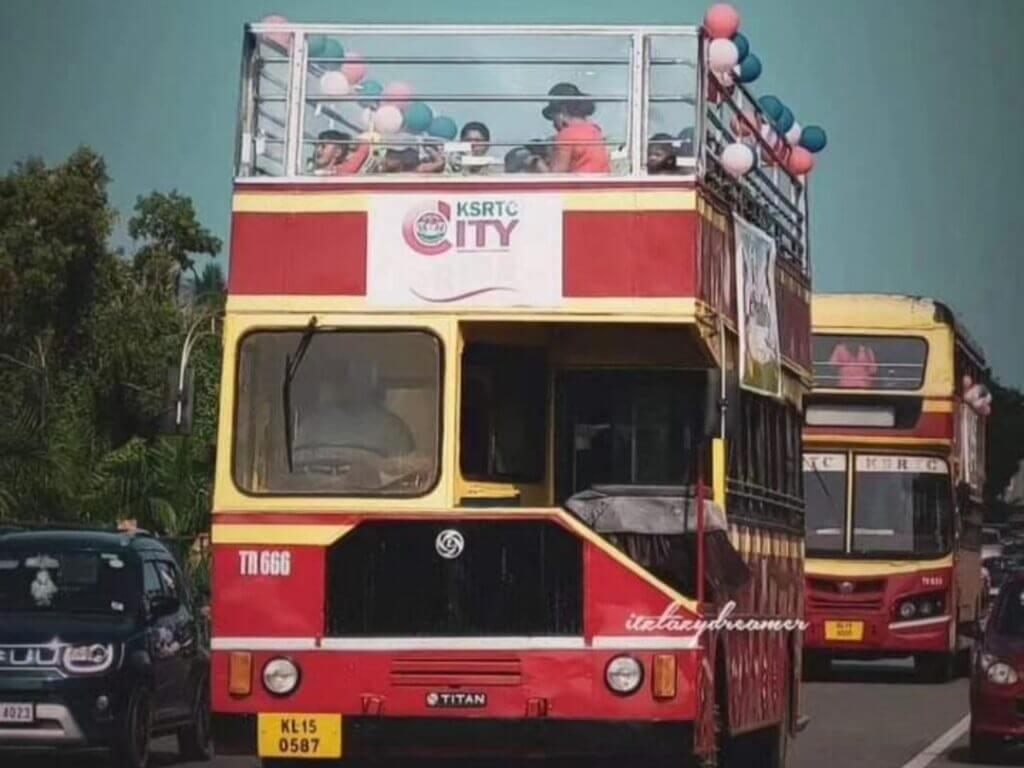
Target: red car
<point>997,682</point>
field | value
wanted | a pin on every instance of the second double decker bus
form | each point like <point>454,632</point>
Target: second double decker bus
<point>474,483</point>
<point>893,474</point>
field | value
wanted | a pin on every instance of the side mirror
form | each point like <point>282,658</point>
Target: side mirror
<point>963,499</point>
<point>712,417</point>
<point>178,402</point>
<point>713,403</point>
<point>163,605</point>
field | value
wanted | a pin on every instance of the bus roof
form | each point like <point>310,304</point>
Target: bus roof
<point>889,312</point>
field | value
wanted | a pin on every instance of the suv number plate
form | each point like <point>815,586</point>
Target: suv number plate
<point>16,713</point>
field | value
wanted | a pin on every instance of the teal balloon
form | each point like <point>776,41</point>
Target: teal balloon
<point>317,45</point>
<point>771,106</point>
<point>750,69</point>
<point>742,45</point>
<point>333,49</point>
<point>443,128</point>
<point>418,117</point>
<point>813,138</point>
<point>785,120</point>
<point>370,88</point>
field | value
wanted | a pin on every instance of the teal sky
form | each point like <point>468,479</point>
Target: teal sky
<point>922,99</point>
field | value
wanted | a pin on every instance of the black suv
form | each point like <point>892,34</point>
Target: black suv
<point>99,646</point>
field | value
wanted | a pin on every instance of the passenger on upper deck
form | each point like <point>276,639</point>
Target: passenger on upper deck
<point>478,136</point>
<point>334,155</point>
<point>854,369</point>
<point>661,155</point>
<point>579,143</point>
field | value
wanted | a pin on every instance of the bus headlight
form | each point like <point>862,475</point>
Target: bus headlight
<point>1001,673</point>
<point>624,675</point>
<point>88,659</point>
<point>280,676</point>
<point>907,609</point>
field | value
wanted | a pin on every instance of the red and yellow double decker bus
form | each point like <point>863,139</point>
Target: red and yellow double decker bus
<point>893,476</point>
<point>505,413</point>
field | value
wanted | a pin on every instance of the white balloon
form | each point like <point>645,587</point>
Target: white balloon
<point>769,135</point>
<point>722,55</point>
<point>793,134</point>
<point>738,158</point>
<point>333,83</point>
<point>389,119</point>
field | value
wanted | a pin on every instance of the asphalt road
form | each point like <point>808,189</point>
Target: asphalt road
<point>862,716</point>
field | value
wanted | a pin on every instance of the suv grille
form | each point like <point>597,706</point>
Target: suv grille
<point>511,578</point>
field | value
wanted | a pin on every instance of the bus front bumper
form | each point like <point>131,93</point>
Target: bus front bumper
<point>432,737</point>
<point>875,635</point>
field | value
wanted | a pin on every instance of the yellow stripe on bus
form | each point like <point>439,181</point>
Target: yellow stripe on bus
<point>312,535</point>
<point>351,202</point>
<point>855,568</point>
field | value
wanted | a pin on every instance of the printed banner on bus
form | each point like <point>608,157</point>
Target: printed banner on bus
<point>465,250</point>
<point>760,352</point>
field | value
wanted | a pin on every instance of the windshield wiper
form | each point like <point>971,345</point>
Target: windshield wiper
<point>291,367</point>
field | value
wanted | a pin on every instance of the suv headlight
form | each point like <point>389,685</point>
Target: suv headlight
<point>88,659</point>
<point>623,675</point>
<point>1001,673</point>
<point>280,676</point>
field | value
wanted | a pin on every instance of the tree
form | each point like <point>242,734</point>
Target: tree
<point>1005,444</point>
<point>86,338</point>
<point>170,235</point>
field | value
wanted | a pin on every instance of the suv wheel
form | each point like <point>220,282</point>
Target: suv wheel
<point>194,738</point>
<point>131,748</point>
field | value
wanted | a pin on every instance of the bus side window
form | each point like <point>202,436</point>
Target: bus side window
<point>503,415</point>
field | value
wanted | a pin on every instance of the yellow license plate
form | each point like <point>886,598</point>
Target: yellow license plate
<point>852,631</point>
<point>299,735</point>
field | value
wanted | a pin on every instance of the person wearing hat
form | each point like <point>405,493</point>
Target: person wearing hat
<point>579,144</point>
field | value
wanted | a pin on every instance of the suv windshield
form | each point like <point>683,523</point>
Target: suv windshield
<point>902,506</point>
<point>338,412</point>
<point>67,581</point>
<point>825,498</point>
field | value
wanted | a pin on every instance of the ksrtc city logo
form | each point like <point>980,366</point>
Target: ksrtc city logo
<point>483,226</point>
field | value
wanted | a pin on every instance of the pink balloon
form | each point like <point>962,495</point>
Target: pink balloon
<point>283,39</point>
<point>388,119</point>
<point>354,68</point>
<point>800,161</point>
<point>399,93</point>
<point>721,20</point>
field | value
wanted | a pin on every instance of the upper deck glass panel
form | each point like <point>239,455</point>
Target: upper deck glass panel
<point>432,103</point>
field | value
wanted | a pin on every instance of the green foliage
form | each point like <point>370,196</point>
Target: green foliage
<point>1005,447</point>
<point>86,339</point>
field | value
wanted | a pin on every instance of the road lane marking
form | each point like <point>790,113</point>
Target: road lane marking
<point>930,753</point>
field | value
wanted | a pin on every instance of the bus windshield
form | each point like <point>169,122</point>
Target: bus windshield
<point>902,506</point>
<point>825,498</point>
<point>338,412</point>
<point>50,580</point>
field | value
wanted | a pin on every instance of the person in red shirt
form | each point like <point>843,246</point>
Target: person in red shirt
<point>855,369</point>
<point>335,156</point>
<point>579,144</point>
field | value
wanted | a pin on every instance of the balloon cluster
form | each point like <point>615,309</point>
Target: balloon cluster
<point>731,60</point>
<point>345,74</point>
<point>977,396</point>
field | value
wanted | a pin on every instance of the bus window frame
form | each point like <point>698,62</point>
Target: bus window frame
<point>439,450</point>
<point>875,390</point>
<point>637,103</point>
<point>954,538</point>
